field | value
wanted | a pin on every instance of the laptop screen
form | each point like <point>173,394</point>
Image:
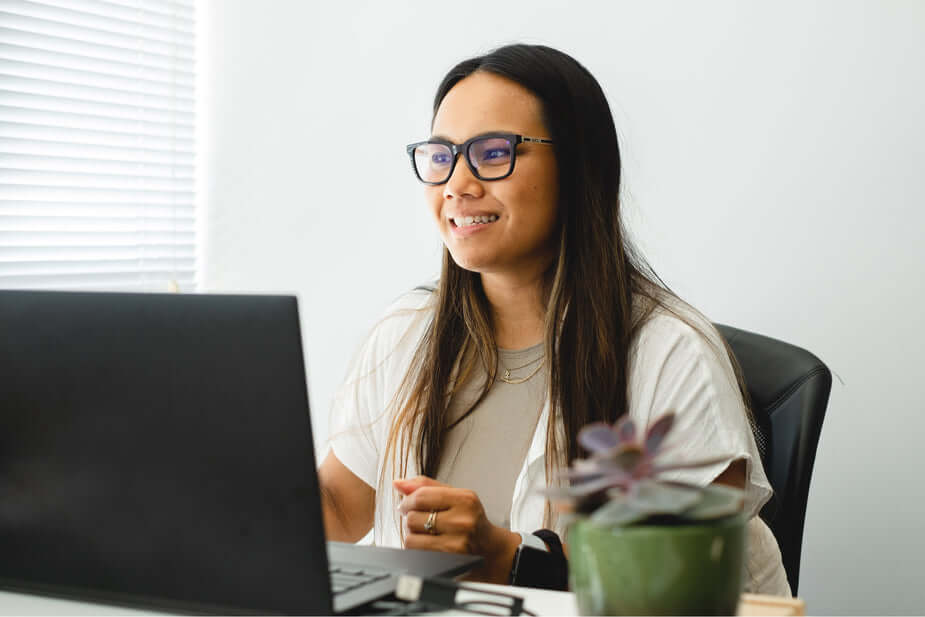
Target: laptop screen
<point>157,450</point>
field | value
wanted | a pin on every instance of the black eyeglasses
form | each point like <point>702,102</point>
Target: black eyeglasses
<point>490,156</point>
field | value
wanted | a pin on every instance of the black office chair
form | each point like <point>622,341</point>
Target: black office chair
<point>789,389</point>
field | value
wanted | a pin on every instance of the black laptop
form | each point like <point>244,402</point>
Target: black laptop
<point>156,451</point>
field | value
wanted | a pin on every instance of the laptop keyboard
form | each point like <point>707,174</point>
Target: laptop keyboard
<point>346,578</point>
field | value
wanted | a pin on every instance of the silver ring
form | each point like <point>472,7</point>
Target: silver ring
<point>431,525</point>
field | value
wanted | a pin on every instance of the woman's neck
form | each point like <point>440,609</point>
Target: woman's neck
<point>517,309</point>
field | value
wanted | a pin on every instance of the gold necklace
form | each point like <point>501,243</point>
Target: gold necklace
<point>506,377</point>
<point>517,368</point>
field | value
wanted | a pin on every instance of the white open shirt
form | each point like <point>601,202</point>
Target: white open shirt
<point>672,367</point>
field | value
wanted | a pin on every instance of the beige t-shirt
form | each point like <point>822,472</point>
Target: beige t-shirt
<point>485,451</point>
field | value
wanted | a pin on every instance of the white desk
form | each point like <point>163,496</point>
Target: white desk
<point>27,604</point>
<point>543,602</point>
<point>539,601</point>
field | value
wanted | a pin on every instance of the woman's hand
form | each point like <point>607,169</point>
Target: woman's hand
<point>459,526</point>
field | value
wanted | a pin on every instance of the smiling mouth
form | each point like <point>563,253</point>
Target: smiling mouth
<point>470,221</point>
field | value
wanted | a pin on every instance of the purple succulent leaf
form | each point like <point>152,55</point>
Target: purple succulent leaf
<point>580,477</point>
<point>625,430</point>
<point>583,467</point>
<point>598,438</point>
<point>602,483</point>
<point>578,491</point>
<point>589,469</point>
<point>616,484</point>
<point>656,433</point>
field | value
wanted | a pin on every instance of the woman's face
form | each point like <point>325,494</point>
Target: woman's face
<point>522,239</point>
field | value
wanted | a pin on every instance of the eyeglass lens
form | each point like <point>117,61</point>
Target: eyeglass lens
<point>491,157</point>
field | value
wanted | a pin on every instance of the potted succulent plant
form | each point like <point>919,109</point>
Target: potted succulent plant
<point>641,545</point>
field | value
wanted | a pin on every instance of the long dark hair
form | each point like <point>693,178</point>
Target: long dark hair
<point>589,289</point>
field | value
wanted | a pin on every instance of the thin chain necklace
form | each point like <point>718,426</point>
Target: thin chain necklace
<point>506,377</point>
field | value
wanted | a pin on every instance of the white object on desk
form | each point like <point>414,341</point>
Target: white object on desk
<point>539,601</point>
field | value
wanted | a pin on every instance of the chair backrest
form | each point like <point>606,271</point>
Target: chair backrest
<point>789,389</point>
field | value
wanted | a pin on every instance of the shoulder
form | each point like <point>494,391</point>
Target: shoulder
<point>676,329</point>
<point>419,298</point>
<point>379,365</point>
<point>678,360</point>
<point>407,317</point>
<point>394,338</point>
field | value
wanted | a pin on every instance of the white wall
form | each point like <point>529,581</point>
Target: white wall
<point>774,158</point>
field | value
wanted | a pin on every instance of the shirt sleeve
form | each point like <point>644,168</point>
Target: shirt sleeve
<point>362,411</point>
<point>674,367</point>
<point>352,435</point>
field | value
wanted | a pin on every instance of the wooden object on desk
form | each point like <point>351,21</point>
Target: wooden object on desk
<point>754,604</point>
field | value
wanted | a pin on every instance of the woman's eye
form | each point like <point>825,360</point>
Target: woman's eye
<point>496,153</point>
<point>440,159</point>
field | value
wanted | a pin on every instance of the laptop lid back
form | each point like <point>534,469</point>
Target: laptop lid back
<point>156,450</point>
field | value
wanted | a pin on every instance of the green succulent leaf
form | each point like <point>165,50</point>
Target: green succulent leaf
<point>654,497</point>
<point>716,501</point>
<point>618,511</point>
<point>618,483</point>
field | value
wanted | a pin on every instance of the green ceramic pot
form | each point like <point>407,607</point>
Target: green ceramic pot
<point>657,570</point>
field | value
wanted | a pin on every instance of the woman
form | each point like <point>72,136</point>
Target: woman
<point>468,398</point>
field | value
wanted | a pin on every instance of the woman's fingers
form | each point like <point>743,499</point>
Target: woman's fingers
<point>409,485</point>
<point>454,516</point>
<point>445,522</point>
<point>447,543</point>
<point>415,522</point>
<point>428,498</point>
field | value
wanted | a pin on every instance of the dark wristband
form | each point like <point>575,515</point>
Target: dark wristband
<point>541,569</point>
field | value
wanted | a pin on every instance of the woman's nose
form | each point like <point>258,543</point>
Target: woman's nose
<point>462,183</point>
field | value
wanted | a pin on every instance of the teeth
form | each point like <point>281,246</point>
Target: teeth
<point>466,221</point>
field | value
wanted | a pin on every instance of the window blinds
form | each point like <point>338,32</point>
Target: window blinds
<point>97,143</point>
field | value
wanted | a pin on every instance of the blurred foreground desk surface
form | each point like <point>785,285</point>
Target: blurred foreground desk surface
<point>543,602</point>
<point>539,601</point>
